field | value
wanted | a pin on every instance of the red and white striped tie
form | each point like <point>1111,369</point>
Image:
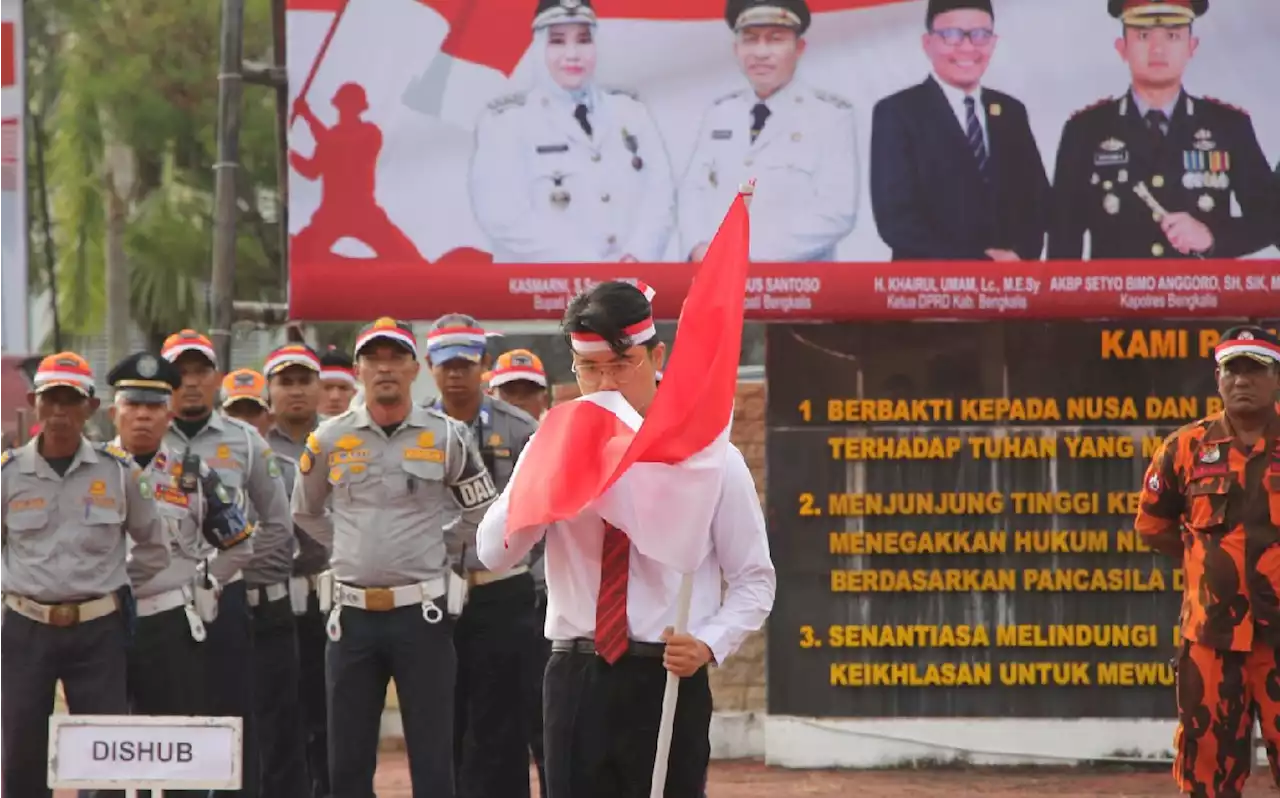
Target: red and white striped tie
<point>611,604</point>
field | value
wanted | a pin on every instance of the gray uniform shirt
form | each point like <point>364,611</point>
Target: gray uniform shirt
<point>184,515</point>
<point>312,558</point>
<point>499,432</point>
<point>247,467</point>
<point>64,537</point>
<point>381,503</point>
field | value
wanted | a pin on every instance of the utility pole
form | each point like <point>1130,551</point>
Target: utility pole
<point>225,174</point>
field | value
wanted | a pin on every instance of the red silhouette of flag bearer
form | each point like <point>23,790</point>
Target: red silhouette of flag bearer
<point>345,160</point>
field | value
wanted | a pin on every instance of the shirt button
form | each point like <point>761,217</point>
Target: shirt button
<point>1158,181</point>
<point>611,240</point>
<point>748,162</point>
<point>604,197</point>
<point>1157,249</point>
<point>595,157</point>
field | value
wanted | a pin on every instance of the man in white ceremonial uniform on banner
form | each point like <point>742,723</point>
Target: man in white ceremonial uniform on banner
<point>798,139</point>
<point>651,507</point>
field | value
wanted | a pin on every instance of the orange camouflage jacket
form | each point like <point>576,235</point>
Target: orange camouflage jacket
<point>1208,500</point>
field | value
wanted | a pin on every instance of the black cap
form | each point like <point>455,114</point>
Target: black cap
<point>937,7</point>
<point>792,14</point>
<point>334,357</point>
<point>144,377</point>
<point>560,12</point>
<point>1157,13</point>
<point>1248,341</point>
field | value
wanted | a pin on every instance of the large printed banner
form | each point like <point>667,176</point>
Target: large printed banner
<point>445,156</point>
<point>13,196</point>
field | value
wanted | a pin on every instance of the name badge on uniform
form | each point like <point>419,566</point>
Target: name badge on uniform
<point>721,135</point>
<point>547,149</point>
<point>1111,152</point>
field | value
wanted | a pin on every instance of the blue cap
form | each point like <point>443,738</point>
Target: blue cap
<point>455,336</point>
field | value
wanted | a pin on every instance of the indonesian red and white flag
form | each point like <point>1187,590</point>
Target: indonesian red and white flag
<point>657,478</point>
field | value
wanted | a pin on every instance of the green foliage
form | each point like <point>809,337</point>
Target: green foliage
<point>143,74</point>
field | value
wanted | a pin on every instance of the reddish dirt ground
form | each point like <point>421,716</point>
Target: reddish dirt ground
<point>754,780</point>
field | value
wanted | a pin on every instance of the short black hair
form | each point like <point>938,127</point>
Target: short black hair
<point>607,310</point>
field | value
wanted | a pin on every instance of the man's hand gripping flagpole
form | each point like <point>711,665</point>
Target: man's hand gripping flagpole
<point>657,478</point>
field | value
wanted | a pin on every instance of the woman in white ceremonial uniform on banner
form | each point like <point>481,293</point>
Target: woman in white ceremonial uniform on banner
<point>569,171</point>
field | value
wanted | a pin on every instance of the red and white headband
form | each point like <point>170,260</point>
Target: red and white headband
<point>337,374</point>
<point>1252,347</point>
<point>282,358</point>
<point>175,350</point>
<point>586,343</point>
<point>456,336</point>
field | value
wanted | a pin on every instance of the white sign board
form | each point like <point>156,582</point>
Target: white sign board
<point>136,752</point>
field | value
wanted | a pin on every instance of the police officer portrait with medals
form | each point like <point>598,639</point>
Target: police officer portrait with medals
<point>798,140</point>
<point>1157,172</point>
<point>569,171</point>
<point>497,634</point>
<point>209,541</point>
<point>394,491</point>
<point>68,507</point>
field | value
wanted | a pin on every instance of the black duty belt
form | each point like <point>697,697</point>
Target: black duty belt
<point>581,645</point>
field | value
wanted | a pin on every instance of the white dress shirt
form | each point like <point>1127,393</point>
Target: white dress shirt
<point>739,551</point>
<point>955,98</point>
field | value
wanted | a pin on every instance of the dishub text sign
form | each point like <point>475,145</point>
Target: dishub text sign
<point>123,752</point>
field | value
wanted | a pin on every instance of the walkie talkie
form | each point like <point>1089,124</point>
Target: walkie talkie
<point>190,478</point>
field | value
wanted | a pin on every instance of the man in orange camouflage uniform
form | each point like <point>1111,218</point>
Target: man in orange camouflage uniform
<point>1212,497</point>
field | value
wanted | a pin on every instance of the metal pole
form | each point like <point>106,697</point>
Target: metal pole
<point>222,284</point>
<point>278,46</point>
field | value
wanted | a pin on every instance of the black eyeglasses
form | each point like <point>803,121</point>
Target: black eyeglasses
<point>954,36</point>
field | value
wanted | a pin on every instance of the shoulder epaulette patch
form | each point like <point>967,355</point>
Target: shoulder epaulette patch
<point>1098,104</point>
<point>116,453</point>
<point>833,99</point>
<point>509,101</point>
<point>727,97</point>
<point>6,457</point>
<point>1226,105</point>
<point>632,93</point>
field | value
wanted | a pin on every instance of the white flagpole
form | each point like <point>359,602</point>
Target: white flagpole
<point>670,695</point>
<point>658,786</point>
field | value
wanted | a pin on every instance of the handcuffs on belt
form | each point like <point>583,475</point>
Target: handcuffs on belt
<point>327,592</point>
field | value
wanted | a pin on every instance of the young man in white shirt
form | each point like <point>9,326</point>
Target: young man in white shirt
<point>602,703</point>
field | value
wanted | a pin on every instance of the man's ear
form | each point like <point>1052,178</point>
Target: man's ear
<point>111,412</point>
<point>658,356</point>
<point>94,404</point>
<point>31,399</point>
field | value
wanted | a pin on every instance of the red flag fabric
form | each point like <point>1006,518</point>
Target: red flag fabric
<point>583,447</point>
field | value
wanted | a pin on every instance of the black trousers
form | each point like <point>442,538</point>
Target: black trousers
<point>275,646</point>
<point>229,678</point>
<point>495,638</point>
<point>531,700</point>
<point>311,699</point>
<point>375,647</point>
<point>167,673</point>
<point>601,727</point>
<point>90,659</point>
